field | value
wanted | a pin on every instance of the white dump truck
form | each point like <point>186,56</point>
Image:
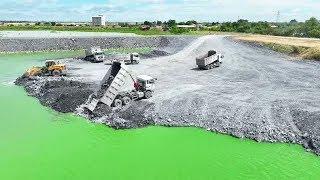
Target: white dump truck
<point>94,54</point>
<point>210,60</point>
<point>132,58</point>
<point>112,91</point>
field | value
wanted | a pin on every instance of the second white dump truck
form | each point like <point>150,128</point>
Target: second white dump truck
<point>112,91</point>
<point>210,60</point>
<point>94,54</point>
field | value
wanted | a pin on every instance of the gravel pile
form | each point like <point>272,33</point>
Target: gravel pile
<point>61,94</point>
<point>52,44</point>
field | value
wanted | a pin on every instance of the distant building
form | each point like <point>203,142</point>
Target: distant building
<point>99,20</point>
<point>187,26</point>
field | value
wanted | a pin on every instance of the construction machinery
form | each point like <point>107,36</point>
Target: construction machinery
<point>134,58</point>
<point>94,54</point>
<point>112,91</point>
<point>210,60</point>
<point>51,68</point>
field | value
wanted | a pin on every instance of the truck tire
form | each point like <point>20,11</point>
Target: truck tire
<point>56,73</point>
<point>126,100</point>
<point>117,103</point>
<point>216,64</point>
<point>148,94</point>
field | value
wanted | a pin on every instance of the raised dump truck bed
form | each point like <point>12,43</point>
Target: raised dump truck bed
<point>209,60</point>
<point>112,91</point>
<point>110,86</point>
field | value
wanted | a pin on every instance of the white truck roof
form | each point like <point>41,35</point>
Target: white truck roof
<point>145,77</point>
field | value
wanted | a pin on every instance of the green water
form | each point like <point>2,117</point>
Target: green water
<point>38,143</point>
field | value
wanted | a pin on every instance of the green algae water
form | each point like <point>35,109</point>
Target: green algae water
<point>38,143</point>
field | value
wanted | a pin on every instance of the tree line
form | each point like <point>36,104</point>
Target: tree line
<point>309,28</point>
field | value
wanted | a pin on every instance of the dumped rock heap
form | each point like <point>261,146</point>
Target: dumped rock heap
<point>61,94</point>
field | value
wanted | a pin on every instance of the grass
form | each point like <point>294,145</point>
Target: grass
<point>53,29</point>
<point>135,30</point>
<point>128,50</point>
<point>306,48</point>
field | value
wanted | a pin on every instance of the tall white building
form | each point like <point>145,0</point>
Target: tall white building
<point>99,20</point>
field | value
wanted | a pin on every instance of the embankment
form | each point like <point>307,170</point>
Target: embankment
<point>305,48</point>
<point>75,43</point>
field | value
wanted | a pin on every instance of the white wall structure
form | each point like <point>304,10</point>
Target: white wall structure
<point>99,20</point>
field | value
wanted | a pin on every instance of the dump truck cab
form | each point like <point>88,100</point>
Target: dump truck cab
<point>145,83</point>
<point>134,58</point>
<point>94,54</point>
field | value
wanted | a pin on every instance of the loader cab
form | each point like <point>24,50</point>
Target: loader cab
<point>50,63</point>
<point>146,83</point>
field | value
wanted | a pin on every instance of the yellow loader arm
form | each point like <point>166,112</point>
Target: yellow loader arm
<point>34,71</point>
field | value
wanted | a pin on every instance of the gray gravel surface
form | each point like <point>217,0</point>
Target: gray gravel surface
<point>168,43</point>
<point>256,93</point>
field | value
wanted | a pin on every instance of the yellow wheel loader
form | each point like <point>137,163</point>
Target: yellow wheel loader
<point>51,68</point>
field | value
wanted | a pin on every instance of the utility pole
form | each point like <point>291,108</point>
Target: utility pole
<point>278,17</point>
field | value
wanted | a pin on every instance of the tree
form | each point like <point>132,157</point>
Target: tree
<point>243,25</point>
<point>53,23</point>
<point>311,26</point>
<point>38,24</point>
<point>191,22</point>
<point>172,23</point>
<point>147,23</point>
<point>47,24</point>
<point>214,23</point>
<point>312,23</point>
<point>293,21</point>
<point>159,23</point>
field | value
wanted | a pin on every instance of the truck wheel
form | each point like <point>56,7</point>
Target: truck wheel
<point>117,103</point>
<point>56,73</point>
<point>148,94</point>
<point>126,100</point>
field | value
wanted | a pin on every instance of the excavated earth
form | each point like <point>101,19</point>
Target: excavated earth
<point>256,93</point>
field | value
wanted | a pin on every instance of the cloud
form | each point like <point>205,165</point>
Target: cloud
<point>140,10</point>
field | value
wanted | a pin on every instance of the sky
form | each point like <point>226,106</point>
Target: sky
<point>151,10</point>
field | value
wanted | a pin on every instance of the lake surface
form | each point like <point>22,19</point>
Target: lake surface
<point>38,143</point>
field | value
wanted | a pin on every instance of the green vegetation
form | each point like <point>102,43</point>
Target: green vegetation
<point>288,49</point>
<point>303,48</point>
<point>135,30</point>
<point>309,28</point>
<point>128,50</point>
<point>311,53</point>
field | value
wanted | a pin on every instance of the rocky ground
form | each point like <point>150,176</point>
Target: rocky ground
<point>18,44</point>
<point>256,93</point>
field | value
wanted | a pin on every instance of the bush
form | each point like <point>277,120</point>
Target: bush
<point>176,30</point>
<point>312,53</point>
<point>315,33</point>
